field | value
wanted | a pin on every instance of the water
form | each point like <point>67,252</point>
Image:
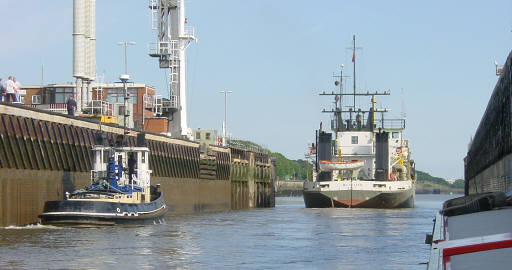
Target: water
<point>286,237</point>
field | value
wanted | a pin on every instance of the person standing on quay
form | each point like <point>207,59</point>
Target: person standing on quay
<point>71,104</point>
<point>2,91</point>
<point>9,90</point>
<point>17,88</point>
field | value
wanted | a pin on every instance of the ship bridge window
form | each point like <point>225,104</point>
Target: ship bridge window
<point>395,135</point>
<point>355,140</point>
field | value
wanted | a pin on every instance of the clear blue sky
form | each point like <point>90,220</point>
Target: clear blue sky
<point>276,56</point>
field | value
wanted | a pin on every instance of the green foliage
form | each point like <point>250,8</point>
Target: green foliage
<point>290,169</point>
<point>459,183</point>
<point>425,177</point>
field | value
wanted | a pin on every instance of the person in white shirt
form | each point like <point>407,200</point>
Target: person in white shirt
<point>2,90</point>
<point>10,93</point>
<point>17,88</point>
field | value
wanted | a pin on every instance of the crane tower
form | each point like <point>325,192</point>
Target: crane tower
<point>168,19</point>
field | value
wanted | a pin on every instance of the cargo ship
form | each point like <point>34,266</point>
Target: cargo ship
<point>475,231</point>
<point>365,161</point>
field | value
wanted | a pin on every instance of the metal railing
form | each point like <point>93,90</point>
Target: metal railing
<point>171,103</point>
<point>244,145</point>
<point>162,48</point>
<point>188,33</point>
<point>100,107</point>
<point>390,123</point>
<point>58,108</point>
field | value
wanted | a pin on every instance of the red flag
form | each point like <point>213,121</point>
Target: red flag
<point>353,57</point>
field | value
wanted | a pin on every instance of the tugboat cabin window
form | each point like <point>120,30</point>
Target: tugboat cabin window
<point>198,135</point>
<point>105,156</point>
<point>207,135</point>
<point>355,140</point>
<point>394,135</point>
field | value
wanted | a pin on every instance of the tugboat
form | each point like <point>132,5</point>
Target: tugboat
<point>368,162</point>
<point>120,191</point>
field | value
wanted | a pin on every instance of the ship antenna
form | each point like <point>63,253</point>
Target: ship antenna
<point>354,48</point>
<point>354,61</point>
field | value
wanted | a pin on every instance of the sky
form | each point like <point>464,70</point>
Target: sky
<point>276,56</point>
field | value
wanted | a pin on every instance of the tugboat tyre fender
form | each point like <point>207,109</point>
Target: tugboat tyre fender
<point>473,203</point>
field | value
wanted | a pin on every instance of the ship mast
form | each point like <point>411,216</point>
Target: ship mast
<point>360,123</point>
<point>354,62</point>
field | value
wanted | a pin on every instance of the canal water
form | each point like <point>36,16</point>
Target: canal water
<point>285,237</point>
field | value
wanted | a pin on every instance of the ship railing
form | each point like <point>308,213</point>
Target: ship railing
<point>139,177</point>
<point>98,175</point>
<point>390,123</point>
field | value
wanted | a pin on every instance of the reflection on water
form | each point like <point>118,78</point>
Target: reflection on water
<point>288,236</point>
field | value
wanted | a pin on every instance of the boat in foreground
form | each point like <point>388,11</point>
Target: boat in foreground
<point>473,232</point>
<point>120,190</point>
<point>364,162</point>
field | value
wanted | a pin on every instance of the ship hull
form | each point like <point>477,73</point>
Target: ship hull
<point>344,196</point>
<point>87,213</point>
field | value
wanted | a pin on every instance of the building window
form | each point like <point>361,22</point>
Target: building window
<point>198,135</point>
<point>149,101</point>
<point>36,99</point>
<point>394,135</point>
<point>133,95</point>
<point>115,95</point>
<point>355,139</point>
<point>207,135</point>
<point>62,94</point>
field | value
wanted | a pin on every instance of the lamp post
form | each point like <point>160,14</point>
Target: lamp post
<point>224,124</point>
<point>126,43</point>
<point>124,78</point>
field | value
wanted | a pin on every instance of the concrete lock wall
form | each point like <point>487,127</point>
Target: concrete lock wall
<point>496,177</point>
<point>43,155</point>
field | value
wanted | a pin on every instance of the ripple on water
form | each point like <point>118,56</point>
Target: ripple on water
<point>286,237</point>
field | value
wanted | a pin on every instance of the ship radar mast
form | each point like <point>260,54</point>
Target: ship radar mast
<point>173,38</point>
<point>356,119</point>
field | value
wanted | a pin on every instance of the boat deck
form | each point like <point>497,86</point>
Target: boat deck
<point>481,240</point>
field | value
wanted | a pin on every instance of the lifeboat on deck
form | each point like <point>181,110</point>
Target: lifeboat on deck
<point>327,165</point>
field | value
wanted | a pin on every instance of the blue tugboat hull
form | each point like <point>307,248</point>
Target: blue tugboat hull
<point>77,213</point>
